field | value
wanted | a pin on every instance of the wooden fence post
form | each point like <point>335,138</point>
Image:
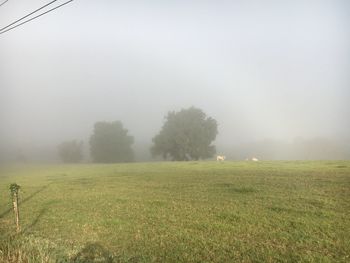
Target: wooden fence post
<point>14,194</point>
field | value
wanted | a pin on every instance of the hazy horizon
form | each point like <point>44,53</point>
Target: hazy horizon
<point>274,75</point>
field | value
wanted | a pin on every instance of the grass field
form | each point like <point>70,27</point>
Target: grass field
<point>178,212</point>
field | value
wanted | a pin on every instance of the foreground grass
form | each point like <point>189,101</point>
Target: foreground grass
<point>179,212</point>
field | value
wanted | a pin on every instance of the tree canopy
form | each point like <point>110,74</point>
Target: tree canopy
<point>111,143</point>
<point>71,151</point>
<point>186,135</point>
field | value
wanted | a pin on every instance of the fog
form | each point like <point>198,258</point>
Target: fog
<point>274,74</point>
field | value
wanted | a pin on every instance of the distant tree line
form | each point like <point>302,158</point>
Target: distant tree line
<point>186,135</point>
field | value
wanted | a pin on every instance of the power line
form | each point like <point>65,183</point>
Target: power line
<point>28,15</point>
<point>2,31</point>
<point>4,2</point>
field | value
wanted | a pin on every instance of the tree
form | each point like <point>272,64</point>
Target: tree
<point>111,143</point>
<point>186,135</point>
<point>71,151</point>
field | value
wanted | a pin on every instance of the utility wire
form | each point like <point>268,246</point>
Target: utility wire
<point>18,20</point>
<point>4,2</point>
<point>2,31</point>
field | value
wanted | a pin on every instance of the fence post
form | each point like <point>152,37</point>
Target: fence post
<point>14,194</point>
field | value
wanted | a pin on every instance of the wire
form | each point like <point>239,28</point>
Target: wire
<point>48,11</point>
<point>4,2</point>
<point>28,15</point>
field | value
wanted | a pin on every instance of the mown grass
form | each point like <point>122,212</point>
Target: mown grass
<point>179,212</point>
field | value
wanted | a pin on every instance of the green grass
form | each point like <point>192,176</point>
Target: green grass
<point>179,212</point>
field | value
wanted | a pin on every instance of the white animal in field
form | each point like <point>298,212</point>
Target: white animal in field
<point>254,159</point>
<point>220,158</point>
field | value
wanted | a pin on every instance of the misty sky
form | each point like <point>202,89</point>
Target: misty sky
<point>263,69</point>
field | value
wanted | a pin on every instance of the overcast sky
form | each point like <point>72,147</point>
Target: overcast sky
<point>263,69</point>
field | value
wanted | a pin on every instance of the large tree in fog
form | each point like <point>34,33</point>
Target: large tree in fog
<point>111,143</point>
<point>186,135</point>
<point>71,151</point>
